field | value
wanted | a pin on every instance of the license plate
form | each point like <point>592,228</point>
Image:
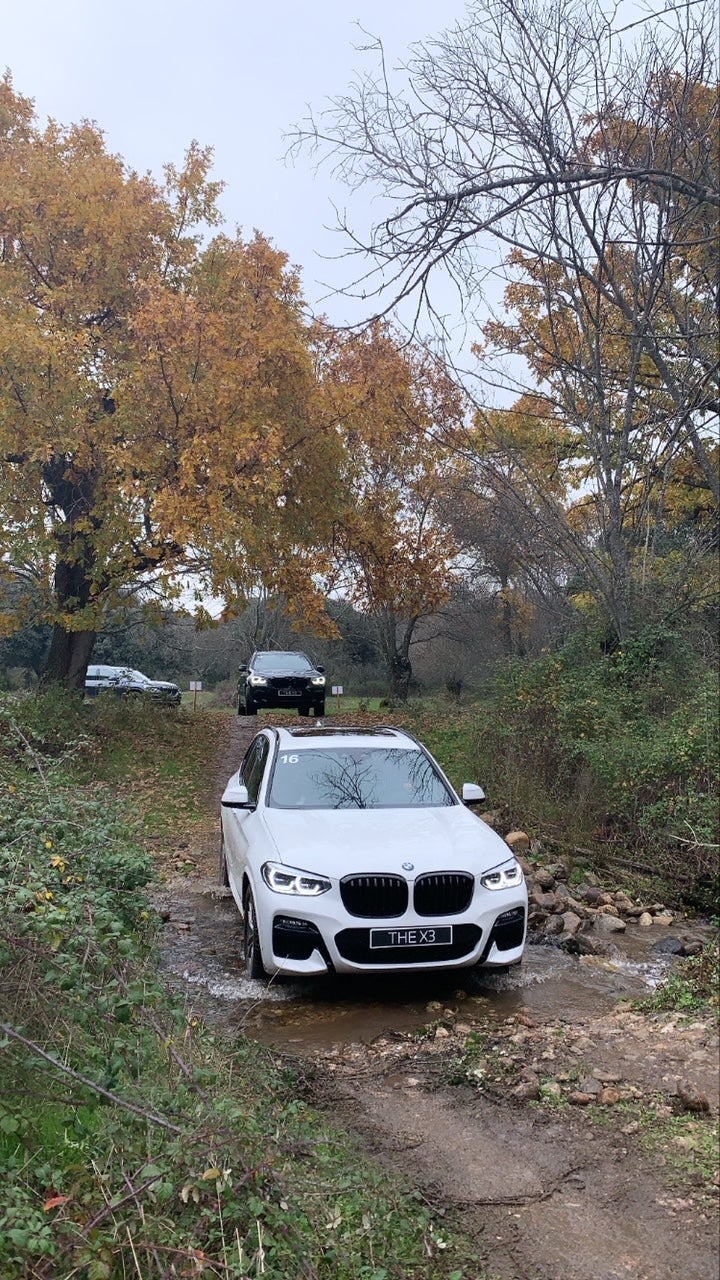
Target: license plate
<point>418,936</point>
<point>286,693</point>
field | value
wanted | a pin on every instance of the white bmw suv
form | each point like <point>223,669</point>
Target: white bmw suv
<point>347,850</point>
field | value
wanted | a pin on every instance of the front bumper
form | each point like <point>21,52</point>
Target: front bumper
<point>269,696</point>
<point>298,937</point>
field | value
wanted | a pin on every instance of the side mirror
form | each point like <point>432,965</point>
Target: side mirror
<point>321,669</point>
<point>236,796</point>
<point>472,793</point>
<point>243,666</point>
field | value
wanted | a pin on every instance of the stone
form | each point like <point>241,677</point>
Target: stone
<point>545,901</point>
<point>544,878</point>
<point>691,1098</point>
<point>555,926</point>
<point>591,1085</point>
<point>623,903</point>
<point>645,920</point>
<point>552,1088</point>
<point>528,1090</point>
<point>669,947</point>
<point>580,1099</point>
<point>605,923</point>
<point>608,1097</point>
<point>560,870</point>
<point>518,841</point>
<point>663,918</point>
<point>590,893</point>
<point>571,923</point>
<point>590,948</point>
<point>493,817</point>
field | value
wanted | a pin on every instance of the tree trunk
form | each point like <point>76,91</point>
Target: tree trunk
<point>400,670</point>
<point>72,492</point>
<point>68,658</point>
<point>396,653</point>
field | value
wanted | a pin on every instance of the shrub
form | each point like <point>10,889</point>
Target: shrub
<point>621,750</point>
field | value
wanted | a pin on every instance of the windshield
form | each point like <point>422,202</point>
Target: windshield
<point>137,676</point>
<point>356,778</point>
<point>281,662</point>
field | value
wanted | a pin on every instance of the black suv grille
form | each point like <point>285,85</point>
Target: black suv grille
<point>294,684</point>
<point>444,893</point>
<point>374,897</point>
<point>354,945</point>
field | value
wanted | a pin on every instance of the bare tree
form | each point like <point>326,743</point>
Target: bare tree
<point>584,155</point>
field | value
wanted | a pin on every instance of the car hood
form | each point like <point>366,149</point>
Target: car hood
<point>162,684</point>
<point>338,842</point>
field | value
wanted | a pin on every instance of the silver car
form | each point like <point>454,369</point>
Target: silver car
<point>126,682</point>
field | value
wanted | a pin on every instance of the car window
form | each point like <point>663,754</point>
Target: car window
<point>281,662</point>
<point>356,778</point>
<point>253,766</point>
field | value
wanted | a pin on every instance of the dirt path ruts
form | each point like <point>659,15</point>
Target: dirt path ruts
<point>546,1192</point>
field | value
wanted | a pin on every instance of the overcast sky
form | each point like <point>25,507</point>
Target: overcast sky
<point>155,74</point>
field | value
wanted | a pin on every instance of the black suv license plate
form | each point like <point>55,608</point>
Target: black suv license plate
<point>439,935</point>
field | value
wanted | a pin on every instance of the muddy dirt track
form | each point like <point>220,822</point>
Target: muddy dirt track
<point>500,1138</point>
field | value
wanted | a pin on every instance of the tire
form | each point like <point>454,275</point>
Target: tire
<point>223,878</point>
<point>251,945</point>
<point>320,708</point>
<point>304,710</point>
<point>250,708</point>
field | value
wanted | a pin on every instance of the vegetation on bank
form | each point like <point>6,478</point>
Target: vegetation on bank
<point>610,760</point>
<point>132,1142</point>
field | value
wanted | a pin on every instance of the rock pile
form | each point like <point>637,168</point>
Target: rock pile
<point>582,917</point>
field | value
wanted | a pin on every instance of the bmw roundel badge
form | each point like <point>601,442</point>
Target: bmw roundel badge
<point>408,866</point>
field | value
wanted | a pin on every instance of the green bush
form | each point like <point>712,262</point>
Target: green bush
<point>621,750</point>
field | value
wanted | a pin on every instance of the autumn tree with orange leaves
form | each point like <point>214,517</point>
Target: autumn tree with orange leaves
<point>157,411</point>
<point>395,556</point>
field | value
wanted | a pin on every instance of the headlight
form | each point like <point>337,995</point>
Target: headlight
<point>509,876</point>
<point>318,680</point>
<point>257,680</point>
<point>287,880</point>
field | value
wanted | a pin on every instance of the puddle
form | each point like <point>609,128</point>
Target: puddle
<point>202,954</point>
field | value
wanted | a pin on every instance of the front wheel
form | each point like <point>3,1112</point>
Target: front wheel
<point>251,942</point>
<point>320,708</point>
<point>249,708</point>
<point>304,710</point>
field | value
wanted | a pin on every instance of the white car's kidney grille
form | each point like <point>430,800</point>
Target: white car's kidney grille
<point>374,897</point>
<point>444,893</point>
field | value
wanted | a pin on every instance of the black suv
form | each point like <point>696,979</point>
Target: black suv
<point>280,679</point>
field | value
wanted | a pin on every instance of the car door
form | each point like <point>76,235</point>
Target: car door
<point>244,829</point>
